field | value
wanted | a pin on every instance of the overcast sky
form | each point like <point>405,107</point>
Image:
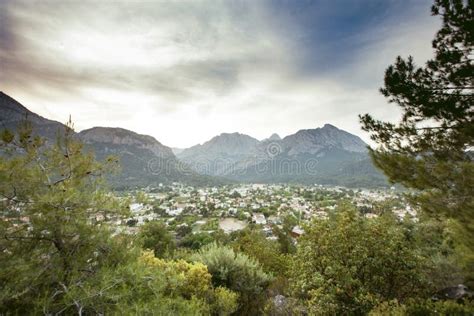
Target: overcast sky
<point>185,71</point>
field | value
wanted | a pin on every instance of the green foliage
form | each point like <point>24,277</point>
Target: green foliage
<point>192,281</point>
<point>155,236</point>
<point>427,307</point>
<point>436,239</point>
<point>267,252</point>
<point>183,230</point>
<point>348,264</point>
<point>430,149</point>
<point>141,287</point>
<point>54,237</point>
<point>226,301</point>
<point>142,198</point>
<point>238,273</point>
<point>211,224</point>
<point>254,244</point>
<point>284,239</point>
<point>196,241</point>
<point>235,195</point>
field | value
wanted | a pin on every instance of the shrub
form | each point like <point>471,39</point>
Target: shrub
<point>348,264</point>
<point>238,273</point>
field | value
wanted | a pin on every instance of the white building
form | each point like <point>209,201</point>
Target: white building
<point>259,218</point>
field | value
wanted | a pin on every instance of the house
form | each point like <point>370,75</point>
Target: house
<point>259,218</point>
<point>296,232</point>
<point>274,219</point>
<point>136,207</point>
<point>175,212</point>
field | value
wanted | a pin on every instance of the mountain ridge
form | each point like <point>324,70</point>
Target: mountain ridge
<point>13,114</point>
<point>144,160</point>
<point>121,136</point>
<point>312,140</point>
<point>331,152</point>
<point>336,156</point>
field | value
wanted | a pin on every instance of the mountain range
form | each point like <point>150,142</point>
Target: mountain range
<point>144,160</point>
<point>326,155</point>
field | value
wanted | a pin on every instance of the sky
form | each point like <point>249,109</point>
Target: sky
<point>185,71</point>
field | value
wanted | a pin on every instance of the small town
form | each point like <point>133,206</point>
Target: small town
<point>232,208</point>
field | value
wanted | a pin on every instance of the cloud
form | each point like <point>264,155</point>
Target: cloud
<point>184,71</point>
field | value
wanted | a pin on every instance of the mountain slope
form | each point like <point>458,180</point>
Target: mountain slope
<point>314,140</point>
<point>122,137</point>
<point>13,114</point>
<point>215,155</point>
<point>144,161</point>
<point>326,155</point>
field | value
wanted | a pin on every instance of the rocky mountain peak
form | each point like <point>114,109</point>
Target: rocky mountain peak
<point>329,136</point>
<point>120,136</point>
<point>273,137</point>
<point>330,127</point>
<point>228,143</point>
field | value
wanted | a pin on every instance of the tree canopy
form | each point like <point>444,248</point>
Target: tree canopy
<point>431,148</point>
<point>348,264</point>
<point>54,208</point>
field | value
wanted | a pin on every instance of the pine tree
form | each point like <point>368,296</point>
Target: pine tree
<point>430,149</point>
<point>53,214</point>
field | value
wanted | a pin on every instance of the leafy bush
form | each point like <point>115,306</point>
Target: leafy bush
<point>349,264</point>
<point>139,287</point>
<point>238,273</point>
<point>226,301</point>
<point>155,236</point>
<point>196,241</point>
<point>254,244</point>
<point>427,307</point>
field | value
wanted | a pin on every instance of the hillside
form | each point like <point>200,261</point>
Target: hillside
<point>144,160</point>
<point>326,155</point>
<point>13,114</point>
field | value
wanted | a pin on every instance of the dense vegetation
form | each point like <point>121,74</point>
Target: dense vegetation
<point>60,254</point>
<point>430,149</point>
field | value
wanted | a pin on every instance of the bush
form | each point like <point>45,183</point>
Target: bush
<point>191,281</point>
<point>196,241</point>
<point>155,236</point>
<point>428,307</point>
<point>349,264</point>
<point>238,273</point>
<point>226,301</point>
<point>267,252</point>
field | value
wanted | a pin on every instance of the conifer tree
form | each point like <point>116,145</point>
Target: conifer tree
<point>430,149</point>
<point>53,231</point>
